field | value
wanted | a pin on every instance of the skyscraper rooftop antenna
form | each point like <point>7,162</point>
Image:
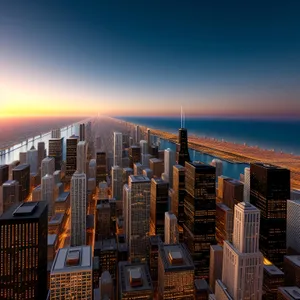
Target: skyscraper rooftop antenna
<point>181,117</point>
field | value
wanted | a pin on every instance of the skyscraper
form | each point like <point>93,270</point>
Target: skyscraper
<point>82,132</point>
<point>48,166</point>
<point>118,149</point>
<point>48,192</point>
<point>177,204</point>
<point>200,214</point>
<point>293,225</point>
<point>218,164</point>
<point>138,217</point>
<point>55,150</point>
<point>101,167</point>
<point>169,161</point>
<point>23,251</point>
<point>182,147</point>
<point>81,164</point>
<point>242,262</point>
<point>117,182</point>
<point>247,185</point>
<point>78,209</point>
<point>158,206</point>
<point>10,194</point>
<point>21,173</point>
<point>137,134</point>
<point>171,229</point>
<point>134,155</point>
<point>41,153</point>
<point>71,156</point>
<point>270,189</point>
<point>175,273</point>
<point>56,134</point>
<point>4,170</point>
<point>32,159</point>
<point>233,192</point>
<point>71,274</point>
<point>224,223</point>
<point>144,152</point>
<point>149,138</point>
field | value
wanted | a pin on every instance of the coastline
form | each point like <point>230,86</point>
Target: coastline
<point>236,153</point>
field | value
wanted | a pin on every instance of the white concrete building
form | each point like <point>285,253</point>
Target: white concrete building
<point>81,164</point>
<point>48,166</point>
<point>48,192</point>
<point>169,162</point>
<point>247,185</point>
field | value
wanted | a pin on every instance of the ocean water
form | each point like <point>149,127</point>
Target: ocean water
<point>280,135</point>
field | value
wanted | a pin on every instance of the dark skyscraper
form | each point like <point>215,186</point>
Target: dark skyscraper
<point>21,173</point>
<point>270,189</point>
<point>101,167</point>
<point>200,214</point>
<point>158,206</point>
<point>3,173</point>
<point>82,132</point>
<point>134,155</point>
<point>71,156</point>
<point>182,153</point>
<point>10,194</point>
<point>23,241</point>
<point>56,151</point>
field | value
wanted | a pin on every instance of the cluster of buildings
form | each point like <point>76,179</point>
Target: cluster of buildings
<point>78,222</point>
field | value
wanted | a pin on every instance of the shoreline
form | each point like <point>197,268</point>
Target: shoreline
<point>235,153</point>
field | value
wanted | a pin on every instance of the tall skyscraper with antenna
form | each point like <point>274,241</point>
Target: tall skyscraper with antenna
<point>182,151</point>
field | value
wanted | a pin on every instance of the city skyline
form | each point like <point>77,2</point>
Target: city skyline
<point>221,59</point>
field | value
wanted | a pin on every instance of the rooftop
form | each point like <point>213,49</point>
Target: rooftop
<point>295,259</point>
<point>176,258</point>
<point>217,247</point>
<point>155,160</point>
<point>134,277</point>
<point>21,167</point>
<point>134,179</point>
<point>292,291</point>
<point>273,270</point>
<point>72,259</point>
<point>63,197</point>
<point>155,240</point>
<point>268,166</point>
<point>52,239</point>
<point>10,182</point>
<point>56,219</point>
<point>223,206</point>
<point>247,206</point>
<point>25,210</point>
<point>106,244</point>
<point>234,182</point>
<point>180,167</point>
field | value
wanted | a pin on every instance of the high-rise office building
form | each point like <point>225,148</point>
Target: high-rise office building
<point>293,225</point>
<point>23,157</point>
<point>221,180</point>
<point>137,169</point>
<point>103,220</point>
<point>157,166</point>
<point>92,168</point>
<point>4,172</point>
<point>224,223</point>
<point>56,134</point>
<point>270,189</point>
<point>134,281</point>
<point>134,155</point>
<point>242,271</point>
<point>200,214</point>
<point>218,164</point>
<point>215,265</point>
<point>177,203</point>
<point>106,286</point>
<point>295,194</point>
<point>233,192</point>
<point>21,173</point>
<point>137,134</point>
<point>144,152</point>
<point>169,162</point>
<point>175,273</point>
<point>126,173</point>
<point>118,149</point>
<point>82,132</point>
<point>247,184</point>
<point>32,159</point>
<point>154,243</point>
<point>81,163</point>
<point>126,201</point>
<point>41,153</point>
<point>117,182</point>
<point>182,154</point>
<point>23,251</point>
<point>55,150</point>
<point>71,156</point>
<point>158,206</point>
<point>78,209</point>
<point>273,278</point>
<point>48,192</point>
<point>71,274</point>
<point>101,167</point>
<point>291,268</point>
<point>171,229</point>
<point>138,217</point>
<point>10,194</point>
<point>149,138</point>
<point>288,293</point>
<point>48,166</point>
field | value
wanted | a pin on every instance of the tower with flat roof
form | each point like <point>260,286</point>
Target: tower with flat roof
<point>117,182</point>
<point>71,274</point>
<point>175,273</point>
<point>48,192</point>
<point>21,173</point>
<point>10,194</point>
<point>101,172</point>
<point>78,209</point>
<point>293,225</point>
<point>48,166</point>
<point>138,217</point>
<point>270,189</point>
<point>82,149</point>
<point>71,156</point>
<point>171,229</point>
<point>23,251</point>
<point>55,150</point>
<point>118,149</point>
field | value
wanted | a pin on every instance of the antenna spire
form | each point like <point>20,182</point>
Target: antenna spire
<point>181,116</point>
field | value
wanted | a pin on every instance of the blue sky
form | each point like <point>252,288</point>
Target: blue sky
<point>149,57</point>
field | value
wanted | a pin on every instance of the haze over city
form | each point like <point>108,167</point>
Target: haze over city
<point>220,58</point>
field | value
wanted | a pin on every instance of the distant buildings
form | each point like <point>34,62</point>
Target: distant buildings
<point>55,150</point>
<point>71,274</point>
<point>24,268</point>
<point>47,187</point>
<point>182,154</point>
<point>118,149</point>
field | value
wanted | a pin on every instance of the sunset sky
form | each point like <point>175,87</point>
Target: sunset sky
<point>213,58</point>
